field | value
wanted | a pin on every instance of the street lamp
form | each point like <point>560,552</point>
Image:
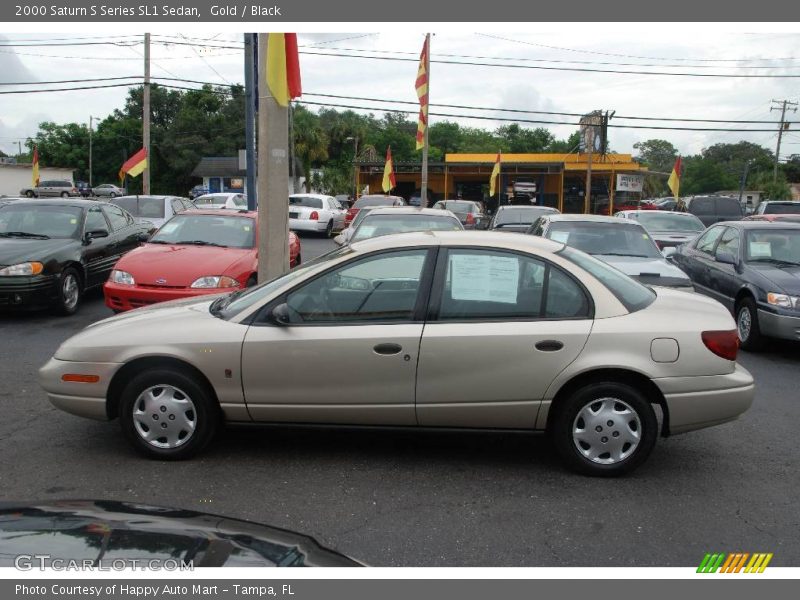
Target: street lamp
<point>90,148</point>
<point>354,139</point>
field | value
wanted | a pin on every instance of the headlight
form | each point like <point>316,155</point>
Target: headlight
<point>122,277</point>
<point>783,300</point>
<point>215,281</point>
<point>28,268</point>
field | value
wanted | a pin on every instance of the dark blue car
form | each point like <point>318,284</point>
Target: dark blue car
<point>753,268</point>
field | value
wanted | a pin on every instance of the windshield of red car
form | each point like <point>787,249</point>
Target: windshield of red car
<point>232,232</point>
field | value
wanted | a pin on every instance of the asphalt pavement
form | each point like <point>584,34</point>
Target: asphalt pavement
<point>428,499</point>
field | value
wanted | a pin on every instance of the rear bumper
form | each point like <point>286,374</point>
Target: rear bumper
<point>127,297</point>
<point>698,402</point>
<point>28,293</point>
<point>82,399</point>
<point>786,327</point>
<point>307,225</point>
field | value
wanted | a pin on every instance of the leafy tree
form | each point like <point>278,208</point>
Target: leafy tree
<point>703,175</point>
<point>518,140</point>
<point>310,142</point>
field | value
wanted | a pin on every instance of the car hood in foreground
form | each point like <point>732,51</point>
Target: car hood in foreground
<point>655,271</point>
<point>135,531</point>
<point>17,250</point>
<point>785,279</point>
<point>178,265</point>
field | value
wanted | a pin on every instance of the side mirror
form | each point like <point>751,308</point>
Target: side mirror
<point>280,315</point>
<point>94,234</point>
<point>726,258</point>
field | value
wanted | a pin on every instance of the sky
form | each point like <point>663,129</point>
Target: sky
<point>627,47</point>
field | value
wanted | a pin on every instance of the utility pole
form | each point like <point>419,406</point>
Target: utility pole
<point>146,116</point>
<point>587,195</point>
<point>423,202</point>
<point>273,176</point>
<point>250,119</point>
<point>782,106</point>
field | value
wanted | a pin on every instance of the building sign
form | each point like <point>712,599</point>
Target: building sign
<point>593,132</point>
<point>237,183</point>
<point>629,183</point>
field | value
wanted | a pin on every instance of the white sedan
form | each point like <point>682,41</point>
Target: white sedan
<point>221,200</point>
<point>432,329</point>
<point>316,213</point>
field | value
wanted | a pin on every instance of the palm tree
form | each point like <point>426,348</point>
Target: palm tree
<point>310,142</point>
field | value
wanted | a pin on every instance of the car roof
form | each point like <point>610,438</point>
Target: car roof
<point>76,202</point>
<point>657,212</point>
<point>319,196</point>
<point>409,210</point>
<point>560,217</point>
<point>490,239</point>
<point>780,202</point>
<point>380,196</point>
<point>156,196</point>
<point>761,224</point>
<point>525,207</point>
<point>222,212</point>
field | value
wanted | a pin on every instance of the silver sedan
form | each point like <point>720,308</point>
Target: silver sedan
<point>431,330</point>
<point>108,190</point>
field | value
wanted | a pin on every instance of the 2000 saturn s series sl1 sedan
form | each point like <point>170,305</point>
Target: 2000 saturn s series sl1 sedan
<point>434,329</point>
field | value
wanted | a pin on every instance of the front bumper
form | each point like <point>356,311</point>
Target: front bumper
<point>698,402</point>
<point>127,297</point>
<point>28,293</point>
<point>307,225</point>
<point>82,399</point>
<point>786,327</point>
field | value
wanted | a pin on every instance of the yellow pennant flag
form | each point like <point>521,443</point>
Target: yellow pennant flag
<point>495,175</point>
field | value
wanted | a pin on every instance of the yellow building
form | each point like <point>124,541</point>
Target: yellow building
<point>556,180</point>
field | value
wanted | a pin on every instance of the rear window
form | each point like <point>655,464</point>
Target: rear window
<point>603,238</point>
<point>305,201</point>
<point>633,295</point>
<point>457,206</point>
<point>375,201</point>
<point>376,225</point>
<point>729,207</point>
<point>782,209</point>
<point>665,221</point>
<point>143,206</point>
<point>522,215</point>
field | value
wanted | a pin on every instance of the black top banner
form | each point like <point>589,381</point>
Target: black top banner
<point>421,11</point>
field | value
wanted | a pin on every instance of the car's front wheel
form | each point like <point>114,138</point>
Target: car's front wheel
<point>747,327</point>
<point>604,429</point>
<point>167,415</point>
<point>29,194</point>
<point>69,292</point>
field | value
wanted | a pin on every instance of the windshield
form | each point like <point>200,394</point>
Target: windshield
<point>142,206</point>
<point>782,208</point>
<point>40,221</point>
<point>523,215</point>
<point>229,306</point>
<point>376,225</point>
<point>658,221</point>
<point>305,201</point>
<point>610,239</point>
<point>632,294</point>
<point>375,201</point>
<point>212,230</point>
<point>773,246</point>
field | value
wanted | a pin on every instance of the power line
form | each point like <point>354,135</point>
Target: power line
<point>71,89</point>
<point>16,83</point>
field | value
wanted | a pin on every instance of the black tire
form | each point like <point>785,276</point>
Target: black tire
<point>180,386</point>
<point>30,194</point>
<point>252,281</point>
<point>329,230</point>
<point>589,398</point>
<point>70,291</point>
<point>299,261</point>
<point>65,194</point>
<point>113,194</point>
<point>746,310</point>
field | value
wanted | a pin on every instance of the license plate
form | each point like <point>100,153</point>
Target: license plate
<point>293,215</point>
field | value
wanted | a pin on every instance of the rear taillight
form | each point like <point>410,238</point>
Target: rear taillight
<point>351,214</point>
<point>314,216</point>
<point>722,343</point>
<point>659,245</point>
<point>470,219</point>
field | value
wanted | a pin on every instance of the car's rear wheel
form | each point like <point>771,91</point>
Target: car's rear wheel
<point>747,327</point>
<point>29,194</point>
<point>113,194</point>
<point>69,292</point>
<point>604,429</point>
<point>166,414</point>
<point>329,229</point>
<point>65,194</point>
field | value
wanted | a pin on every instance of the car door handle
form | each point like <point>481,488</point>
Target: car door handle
<point>549,345</point>
<point>388,349</point>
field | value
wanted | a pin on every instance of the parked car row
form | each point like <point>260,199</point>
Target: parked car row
<point>53,251</point>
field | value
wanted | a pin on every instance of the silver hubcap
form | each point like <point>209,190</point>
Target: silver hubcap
<point>744,323</point>
<point>164,416</point>
<point>70,291</point>
<point>606,431</point>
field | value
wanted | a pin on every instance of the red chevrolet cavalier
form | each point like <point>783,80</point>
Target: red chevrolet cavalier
<point>194,253</point>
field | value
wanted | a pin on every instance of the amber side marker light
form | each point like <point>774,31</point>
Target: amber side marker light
<point>75,378</point>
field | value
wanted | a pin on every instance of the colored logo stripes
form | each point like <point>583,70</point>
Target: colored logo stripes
<point>735,562</point>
